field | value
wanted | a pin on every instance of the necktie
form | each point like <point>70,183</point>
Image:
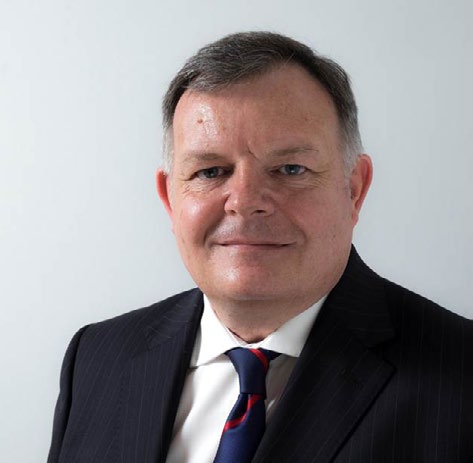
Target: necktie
<point>246,423</point>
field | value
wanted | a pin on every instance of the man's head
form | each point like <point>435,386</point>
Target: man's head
<point>240,56</point>
<point>260,196</point>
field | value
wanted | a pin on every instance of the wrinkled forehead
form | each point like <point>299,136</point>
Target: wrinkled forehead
<point>289,79</point>
<point>282,103</point>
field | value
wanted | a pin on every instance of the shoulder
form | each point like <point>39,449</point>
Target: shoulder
<point>426,326</point>
<point>149,314</point>
<point>404,303</point>
<point>418,325</point>
<point>127,333</point>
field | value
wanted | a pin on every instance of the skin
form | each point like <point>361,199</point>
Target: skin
<point>261,208</point>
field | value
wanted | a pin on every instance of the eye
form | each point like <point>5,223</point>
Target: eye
<point>211,172</point>
<point>292,169</point>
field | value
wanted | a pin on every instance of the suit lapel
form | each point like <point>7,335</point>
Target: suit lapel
<point>155,378</point>
<point>338,376</point>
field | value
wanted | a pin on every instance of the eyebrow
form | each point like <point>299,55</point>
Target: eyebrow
<point>201,156</point>
<point>294,150</point>
<point>191,157</point>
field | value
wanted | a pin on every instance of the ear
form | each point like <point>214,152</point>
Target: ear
<point>360,181</point>
<point>162,184</point>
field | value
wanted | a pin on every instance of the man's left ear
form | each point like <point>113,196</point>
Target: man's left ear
<point>163,190</point>
<point>360,181</point>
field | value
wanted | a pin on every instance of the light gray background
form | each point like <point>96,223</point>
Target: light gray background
<point>82,235</point>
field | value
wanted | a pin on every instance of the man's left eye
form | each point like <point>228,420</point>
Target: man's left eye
<point>292,169</point>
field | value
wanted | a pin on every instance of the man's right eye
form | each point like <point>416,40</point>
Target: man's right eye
<point>211,172</point>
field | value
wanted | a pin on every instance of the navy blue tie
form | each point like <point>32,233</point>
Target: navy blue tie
<point>245,425</point>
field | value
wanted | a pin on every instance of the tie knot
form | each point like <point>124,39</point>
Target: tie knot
<point>251,366</point>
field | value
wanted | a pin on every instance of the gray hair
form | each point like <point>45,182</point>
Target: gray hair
<point>241,56</point>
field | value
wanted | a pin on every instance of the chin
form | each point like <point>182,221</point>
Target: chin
<point>248,289</point>
<point>249,295</point>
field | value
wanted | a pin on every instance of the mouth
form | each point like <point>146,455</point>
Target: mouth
<point>254,244</point>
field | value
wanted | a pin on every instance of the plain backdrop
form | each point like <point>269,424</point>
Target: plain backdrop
<point>82,234</point>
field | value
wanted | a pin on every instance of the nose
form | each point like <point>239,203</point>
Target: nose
<point>249,194</point>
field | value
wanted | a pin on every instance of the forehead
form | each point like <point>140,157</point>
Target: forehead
<point>284,102</point>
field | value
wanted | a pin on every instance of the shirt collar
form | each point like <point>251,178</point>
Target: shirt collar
<point>214,339</point>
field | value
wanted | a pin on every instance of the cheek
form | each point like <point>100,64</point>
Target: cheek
<point>194,218</point>
<point>324,216</point>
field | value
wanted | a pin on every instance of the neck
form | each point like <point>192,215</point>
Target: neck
<point>252,320</point>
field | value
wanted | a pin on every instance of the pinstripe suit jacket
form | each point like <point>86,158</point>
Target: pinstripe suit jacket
<point>385,376</point>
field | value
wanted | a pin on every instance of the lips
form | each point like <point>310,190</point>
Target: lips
<point>252,234</point>
<point>253,243</point>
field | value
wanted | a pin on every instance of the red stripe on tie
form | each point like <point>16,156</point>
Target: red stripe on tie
<point>235,422</point>
<point>262,357</point>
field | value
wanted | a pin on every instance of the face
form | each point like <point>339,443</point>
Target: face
<point>260,204</point>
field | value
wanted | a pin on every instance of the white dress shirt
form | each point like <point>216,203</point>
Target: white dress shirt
<point>211,387</point>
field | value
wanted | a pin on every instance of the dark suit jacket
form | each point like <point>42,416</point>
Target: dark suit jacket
<point>385,376</point>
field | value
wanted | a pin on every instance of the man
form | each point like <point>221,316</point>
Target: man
<point>264,180</point>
